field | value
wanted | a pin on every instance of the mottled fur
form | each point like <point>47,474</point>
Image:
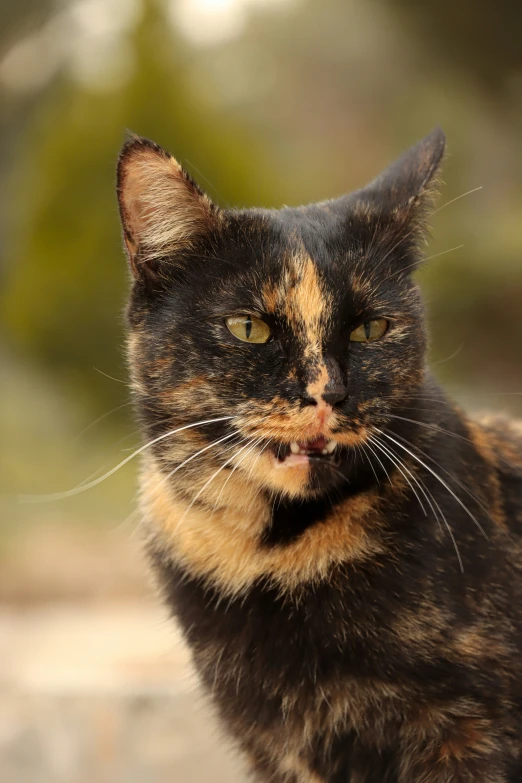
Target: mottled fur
<point>353,620</point>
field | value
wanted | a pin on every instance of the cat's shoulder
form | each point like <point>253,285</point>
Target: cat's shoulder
<point>503,432</point>
<point>503,438</point>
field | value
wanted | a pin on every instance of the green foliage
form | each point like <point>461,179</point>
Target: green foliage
<point>330,114</point>
<point>66,278</point>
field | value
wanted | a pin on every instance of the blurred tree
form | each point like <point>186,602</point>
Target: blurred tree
<point>335,89</point>
<point>21,18</point>
<point>65,272</point>
<point>479,36</point>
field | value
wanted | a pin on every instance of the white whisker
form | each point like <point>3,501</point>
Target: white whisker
<point>430,426</point>
<point>209,481</point>
<point>77,490</point>
<point>436,475</point>
<point>216,504</point>
<point>457,198</point>
<point>456,480</point>
<point>429,498</point>
<point>361,450</point>
<point>425,491</point>
<point>100,418</point>
<point>380,462</point>
<point>201,451</point>
<point>111,378</point>
<point>397,462</point>
<point>422,260</point>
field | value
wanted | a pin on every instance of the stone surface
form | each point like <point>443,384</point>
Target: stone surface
<point>104,694</point>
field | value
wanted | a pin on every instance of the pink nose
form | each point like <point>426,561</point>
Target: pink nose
<point>323,411</point>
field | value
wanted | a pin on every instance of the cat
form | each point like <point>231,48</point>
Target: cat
<point>340,544</point>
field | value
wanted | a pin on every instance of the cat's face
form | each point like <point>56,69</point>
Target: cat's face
<point>301,325</point>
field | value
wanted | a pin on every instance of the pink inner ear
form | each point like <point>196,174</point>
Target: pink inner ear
<point>161,208</point>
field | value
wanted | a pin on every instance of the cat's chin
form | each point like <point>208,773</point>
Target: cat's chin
<point>292,461</point>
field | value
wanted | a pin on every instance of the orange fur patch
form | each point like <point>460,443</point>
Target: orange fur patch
<point>224,546</point>
<point>306,307</point>
<point>318,385</point>
<point>484,442</point>
<point>467,736</point>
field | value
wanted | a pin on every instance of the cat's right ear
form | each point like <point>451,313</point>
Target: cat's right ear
<point>162,210</point>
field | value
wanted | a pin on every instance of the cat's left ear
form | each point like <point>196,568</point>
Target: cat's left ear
<point>163,211</point>
<point>401,198</point>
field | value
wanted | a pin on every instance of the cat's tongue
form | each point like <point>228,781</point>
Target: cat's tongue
<point>313,445</point>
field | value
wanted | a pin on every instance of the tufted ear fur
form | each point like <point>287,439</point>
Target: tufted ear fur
<point>399,201</point>
<point>409,183</point>
<point>162,210</point>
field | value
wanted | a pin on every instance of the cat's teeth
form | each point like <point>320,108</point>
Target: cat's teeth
<point>295,448</point>
<point>330,447</point>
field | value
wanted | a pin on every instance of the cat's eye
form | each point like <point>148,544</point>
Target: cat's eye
<point>370,331</point>
<point>248,328</point>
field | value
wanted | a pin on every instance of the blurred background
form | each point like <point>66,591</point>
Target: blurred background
<point>266,102</point>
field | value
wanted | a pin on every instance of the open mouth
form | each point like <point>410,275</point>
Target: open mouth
<point>303,451</point>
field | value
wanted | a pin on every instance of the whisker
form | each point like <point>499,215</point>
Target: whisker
<point>164,479</point>
<point>429,498</point>
<point>336,470</point>
<point>209,481</point>
<point>110,377</point>
<point>436,475</point>
<point>450,357</point>
<point>380,462</point>
<point>433,395</point>
<point>425,491</point>
<point>101,418</point>
<point>397,462</point>
<point>456,480</point>
<point>77,490</point>
<point>193,456</point>
<point>361,450</point>
<point>392,249</point>
<point>442,253</point>
<point>267,444</point>
<point>423,260</point>
<point>434,427</point>
<point>236,467</point>
<point>256,460</point>
<point>416,408</point>
<point>457,198</point>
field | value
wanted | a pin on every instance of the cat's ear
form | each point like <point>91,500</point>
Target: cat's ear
<point>162,210</point>
<point>401,198</point>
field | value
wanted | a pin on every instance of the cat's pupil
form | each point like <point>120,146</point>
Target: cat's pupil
<point>367,329</point>
<point>248,326</point>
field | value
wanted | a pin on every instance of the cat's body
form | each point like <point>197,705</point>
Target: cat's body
<point>341,545</point>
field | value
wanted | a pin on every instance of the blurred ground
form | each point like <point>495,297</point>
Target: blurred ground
<point>103,693</point>
<point>95,683</point>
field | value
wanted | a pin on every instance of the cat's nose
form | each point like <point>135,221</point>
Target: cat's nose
<point>334,395</point>
<point>330,397</point>
<point>328,388</point>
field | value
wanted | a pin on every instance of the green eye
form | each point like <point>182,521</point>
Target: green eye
<point>248,328</point>
<point>370,331</point>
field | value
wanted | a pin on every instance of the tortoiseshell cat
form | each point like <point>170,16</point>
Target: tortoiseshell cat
<point>341,545</point>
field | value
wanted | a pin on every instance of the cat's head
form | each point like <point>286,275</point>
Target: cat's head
<point>293,333</point>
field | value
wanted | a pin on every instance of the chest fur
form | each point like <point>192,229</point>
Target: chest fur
<point>351,654</point>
